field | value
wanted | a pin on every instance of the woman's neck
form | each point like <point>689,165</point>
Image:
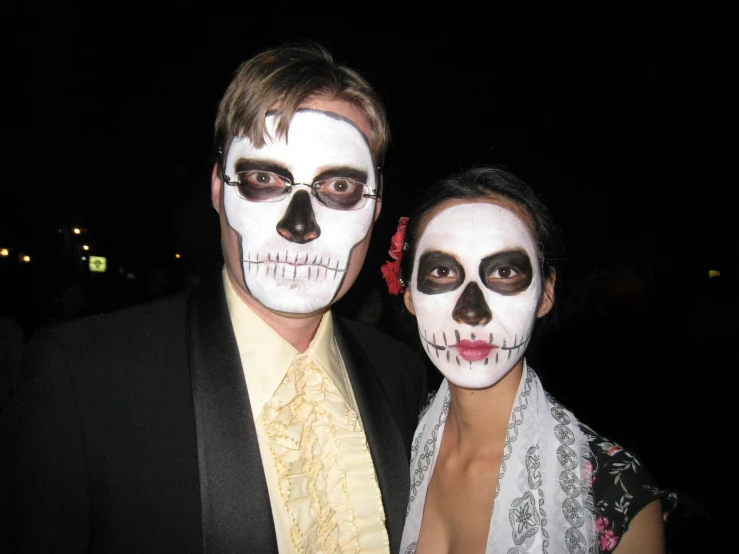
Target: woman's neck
<point>478,418</point>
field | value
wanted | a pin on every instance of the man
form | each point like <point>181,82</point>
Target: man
<point>244,418</point>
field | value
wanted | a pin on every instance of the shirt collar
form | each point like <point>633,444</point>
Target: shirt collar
<point>266,356</point>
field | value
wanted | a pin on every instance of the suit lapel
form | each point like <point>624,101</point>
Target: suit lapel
<point>385,441</point>
<point>237,516</point>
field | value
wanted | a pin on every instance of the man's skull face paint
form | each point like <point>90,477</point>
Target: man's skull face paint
<point>475,288</point>
<point>295,251</point>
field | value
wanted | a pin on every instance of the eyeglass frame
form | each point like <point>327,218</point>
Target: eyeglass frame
<point>375,194</point>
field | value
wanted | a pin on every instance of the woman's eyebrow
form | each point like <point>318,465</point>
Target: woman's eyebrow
<point>516,256</point>
<point>433,256</point>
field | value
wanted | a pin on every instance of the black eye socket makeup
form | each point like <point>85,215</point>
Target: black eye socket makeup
<point>507,273</point>
<point>439,272</point>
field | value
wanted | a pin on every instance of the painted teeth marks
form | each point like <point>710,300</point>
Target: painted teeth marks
<point>516,345</point>
<point>444,345</point>
<point>432,344</point>
<point>438,347</point>
<point>311,269</point>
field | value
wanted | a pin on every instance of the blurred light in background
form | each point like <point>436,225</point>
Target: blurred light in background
<point>85,247</point>
<point>713,273</point>
<point>76,230</point>
<point>4,252</point>
<point>26,258</point>
<point>177,256</point>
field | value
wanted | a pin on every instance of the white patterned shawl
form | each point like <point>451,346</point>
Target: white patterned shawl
<point>544,501</point>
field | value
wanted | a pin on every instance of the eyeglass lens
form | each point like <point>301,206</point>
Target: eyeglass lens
<point>339,193</point>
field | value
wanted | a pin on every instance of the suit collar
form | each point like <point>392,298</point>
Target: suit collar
<point>235,501</point>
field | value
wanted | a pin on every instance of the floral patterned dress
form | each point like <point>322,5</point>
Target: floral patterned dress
<point>621,488</point>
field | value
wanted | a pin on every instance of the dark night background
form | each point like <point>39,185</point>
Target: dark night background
<point>625,124</point>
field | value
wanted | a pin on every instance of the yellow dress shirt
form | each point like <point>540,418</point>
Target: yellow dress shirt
<point>266,358</point>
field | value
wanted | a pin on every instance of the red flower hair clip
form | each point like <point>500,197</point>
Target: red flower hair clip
<point>391,268</point>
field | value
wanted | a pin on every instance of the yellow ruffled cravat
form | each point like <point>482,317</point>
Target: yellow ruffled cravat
<point>326,477</point>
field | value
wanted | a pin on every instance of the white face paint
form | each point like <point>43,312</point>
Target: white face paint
<point>299,276</point>
<point>475,288</point>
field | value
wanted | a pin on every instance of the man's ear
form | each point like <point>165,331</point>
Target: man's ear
<point>408,300</point>
<point>378,202</point>
<point>547,297</point>
<point>216,188</point>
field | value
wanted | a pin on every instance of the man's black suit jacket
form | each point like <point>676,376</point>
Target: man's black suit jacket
<point>132,432</point>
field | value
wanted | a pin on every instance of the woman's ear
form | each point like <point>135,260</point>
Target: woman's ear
<point>547,296</point>
<point>408,300</point>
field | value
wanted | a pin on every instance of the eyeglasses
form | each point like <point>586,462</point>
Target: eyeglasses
<point>337,193</point>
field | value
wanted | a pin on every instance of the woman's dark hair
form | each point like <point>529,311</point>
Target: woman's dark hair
<point>494,183</point>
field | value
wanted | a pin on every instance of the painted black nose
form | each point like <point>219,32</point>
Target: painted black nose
<point>299,222</point>
<point>471,307</point>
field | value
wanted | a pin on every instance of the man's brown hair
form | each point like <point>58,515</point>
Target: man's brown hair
<point>289,75</point>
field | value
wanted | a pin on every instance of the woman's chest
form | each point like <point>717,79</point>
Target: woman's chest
<point>458,508</point>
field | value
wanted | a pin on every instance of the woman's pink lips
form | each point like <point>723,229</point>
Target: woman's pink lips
<point>473,350</point>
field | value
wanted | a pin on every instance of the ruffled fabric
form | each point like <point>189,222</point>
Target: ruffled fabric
<point>325,471</point>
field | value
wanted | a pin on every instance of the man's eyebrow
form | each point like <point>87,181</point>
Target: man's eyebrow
<point>248,164</point>
<point>343,171</point>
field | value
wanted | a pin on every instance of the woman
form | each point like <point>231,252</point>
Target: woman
<point>498,465</point>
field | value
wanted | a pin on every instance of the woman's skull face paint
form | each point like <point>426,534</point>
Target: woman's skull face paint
<point>295,250</point>
<point>475,288</point>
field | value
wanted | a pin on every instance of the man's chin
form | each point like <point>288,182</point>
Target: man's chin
<point>294,315</point>
<point>293,298</point>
